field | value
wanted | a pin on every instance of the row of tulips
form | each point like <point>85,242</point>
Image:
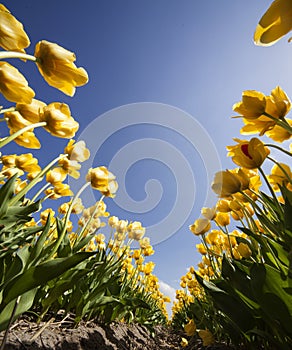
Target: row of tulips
<point>240,292</point>
<point>56,259</point>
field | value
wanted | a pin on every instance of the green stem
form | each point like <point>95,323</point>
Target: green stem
<point>271,190</point>
<point>10,323</point>
<point>10,138</point>
<point>279,148</point>
<point>281,122</point>
<point>13,54</point>
<point>10,109</point>
<point>39,192</point>
<point>61,236</point>
<point>34,181</point>
<point>87,224</point>
<point>283,170</point>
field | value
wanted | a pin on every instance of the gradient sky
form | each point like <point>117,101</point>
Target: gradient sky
<point>194,56</point>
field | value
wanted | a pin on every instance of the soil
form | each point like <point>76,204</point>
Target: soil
<point>27,335</point>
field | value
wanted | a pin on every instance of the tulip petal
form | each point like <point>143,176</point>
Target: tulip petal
<point>275,23</point>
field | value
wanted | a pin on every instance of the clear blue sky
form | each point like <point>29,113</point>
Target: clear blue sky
<point>194,56</point>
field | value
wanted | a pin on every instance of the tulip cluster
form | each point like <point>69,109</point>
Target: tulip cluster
<point>64,253</point>
<point>245,243</point>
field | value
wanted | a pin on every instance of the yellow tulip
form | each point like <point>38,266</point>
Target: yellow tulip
<point>201,248</point>
<point>13,85</point>
<point>27,162</point>
<point>279,134</point>
<point>15,122</point>
<point>208,213</point>
<point>56,175</point>
<point>274,24</point>
<point>149,267</point>
<point>59,190</point>
<point>252,106</point>
<point>255,109</point>
<point>281,175</point>
<point>226,183</point>
<point>8,161</point>
<point>30,111</point>
<point>12,34</point>
<point>248,154</point>
<point>206,336</point>
<point>190,328</point>
<point>77,151</point>
<point>184,343</point>
<point>222,219</point>
<point>56,65</point>
<point>102,180</point>
<point>244,250</point>
<point>200,226</point>
<point>59,121</point>
<point>135,230</point>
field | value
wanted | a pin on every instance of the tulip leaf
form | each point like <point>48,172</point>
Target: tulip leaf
<point>232,306</point>
<point>39,275</point>
<point>38,247</point>
<point>276,308</point>
<point>6,193</point>
<point>25,303</point>
<point>274,283</point>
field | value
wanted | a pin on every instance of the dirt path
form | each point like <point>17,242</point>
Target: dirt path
<point>25,335</point>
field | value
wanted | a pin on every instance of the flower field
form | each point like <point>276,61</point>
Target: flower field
<point>54,259</point>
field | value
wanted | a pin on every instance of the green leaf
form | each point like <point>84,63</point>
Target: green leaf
<point>237,278</point>
<point>275,284</point>
<point>39,275</point>
<point>62,285</point>
<point>25,303</point>
<point>231,305</point>
<point>277,310</point>
<point>6,193</point>
<point>38,247</point>
<point>21,213</point>
<point>287,195</point>
<point>257,279</point>
<point>65,247</point>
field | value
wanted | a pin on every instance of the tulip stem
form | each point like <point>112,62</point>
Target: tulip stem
<point>271,190</point>
<point>67,216</point>
<point>279,148</point>
<point>38,178</point>
<point>10,109</point>
<point>13,54</point>
<point>282,169</point>
<point>10,138</point>
<point>281,122</point>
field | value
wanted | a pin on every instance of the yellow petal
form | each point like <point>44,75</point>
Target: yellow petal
<point>275,23</point>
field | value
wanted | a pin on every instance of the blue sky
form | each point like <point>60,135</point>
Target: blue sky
<point>191,59</point>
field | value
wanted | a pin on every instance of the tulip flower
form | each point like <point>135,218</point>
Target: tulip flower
<point>15,122</point>
<point>30,111</point>
<point>206,336</point>
<point>12,34</point>
<point>200,226</point>
<point>190,328</point>
<point>135,230</point>
<point>27,162</point>
<point>56,65</point>
<point>244,250</point>
<point>102,180</point>
<point>274,24</point>
<point>248,154</point>
<point>13,85</point>
<point>59,121</point>
<point>226,183</point>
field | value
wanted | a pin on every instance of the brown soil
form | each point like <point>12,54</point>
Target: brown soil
<point>27,335</point>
